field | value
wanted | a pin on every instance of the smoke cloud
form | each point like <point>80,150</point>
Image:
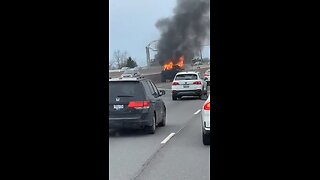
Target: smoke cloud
<point>185,32</point>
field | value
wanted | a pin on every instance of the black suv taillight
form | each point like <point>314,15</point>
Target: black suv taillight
<point>139,104</point>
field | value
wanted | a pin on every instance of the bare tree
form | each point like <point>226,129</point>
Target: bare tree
<point>111,64</point>
<point>120,58</point>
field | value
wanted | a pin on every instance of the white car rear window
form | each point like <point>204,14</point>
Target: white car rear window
<point>186,77</point>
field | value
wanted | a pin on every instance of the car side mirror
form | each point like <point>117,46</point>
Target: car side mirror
<point>162,92</point>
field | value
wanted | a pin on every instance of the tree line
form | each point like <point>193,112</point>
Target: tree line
<point>121,59</point>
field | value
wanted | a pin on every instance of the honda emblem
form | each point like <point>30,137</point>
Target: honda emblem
<point>117,99</point>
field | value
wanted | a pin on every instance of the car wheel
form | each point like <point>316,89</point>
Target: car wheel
<point>203,95</point>
<point>174,97</point>
<point>206,139</point>
<point>164,119</point>
<point>152,129</point>
<point>200,96</point>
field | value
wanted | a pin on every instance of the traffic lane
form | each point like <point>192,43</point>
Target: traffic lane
<point>184,156</point>
<point>167,85</point>
<point>130,149</point>
<point>167,88</point>
<point>156,77</point>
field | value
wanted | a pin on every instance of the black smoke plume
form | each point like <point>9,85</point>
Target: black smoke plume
<point>185,32</point>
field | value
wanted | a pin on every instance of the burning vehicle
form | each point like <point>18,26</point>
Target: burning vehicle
<point>182,36</point>
<point>171,68</point>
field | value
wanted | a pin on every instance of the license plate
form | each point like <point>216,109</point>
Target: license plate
<point>186,86</point>
<point>117,107</point>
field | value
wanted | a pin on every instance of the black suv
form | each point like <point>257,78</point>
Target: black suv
<point>135,103</point>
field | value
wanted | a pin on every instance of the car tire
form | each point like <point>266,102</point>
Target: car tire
<point>204,95</point>
<point>164,119</point>
<point>200,96</point>
<point>174,97</point>
<point>206,139</point>
<point>152,129</point>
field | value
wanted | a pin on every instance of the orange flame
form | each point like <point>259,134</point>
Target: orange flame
<point>181,62</point>
<point>169,65</point>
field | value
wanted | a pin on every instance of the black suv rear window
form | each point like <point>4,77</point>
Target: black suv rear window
<point>186,77</point>
<point>126,89</point>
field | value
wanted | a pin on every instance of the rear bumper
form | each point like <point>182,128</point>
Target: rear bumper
<point>130,122</point>
<point>205,118</point>
<point>197,92</point>
<point>206,130</point>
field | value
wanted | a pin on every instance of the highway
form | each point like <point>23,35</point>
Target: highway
<point>174,152</point>
<point>154,72</point>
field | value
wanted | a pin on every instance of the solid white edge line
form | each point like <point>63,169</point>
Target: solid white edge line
<point>167,138</point>
<point>197,111</point>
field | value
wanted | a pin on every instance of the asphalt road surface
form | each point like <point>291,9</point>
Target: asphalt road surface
<point>134,154</point>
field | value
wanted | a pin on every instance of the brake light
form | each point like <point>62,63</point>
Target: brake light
<point>139,104</point>
<point>197,82</point>
<point>175,83</point>
<point>206,74</point>
<point>207,106</point>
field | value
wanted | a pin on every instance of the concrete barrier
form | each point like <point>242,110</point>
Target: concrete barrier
<point>154,73</point>
<point>156,78</point>
<point>150,70</point>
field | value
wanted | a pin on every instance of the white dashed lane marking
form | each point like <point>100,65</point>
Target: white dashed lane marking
<point>197,111</point>
<point>167,138</point>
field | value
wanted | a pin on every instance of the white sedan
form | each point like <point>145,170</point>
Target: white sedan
<point>205,118</point>
<point>130,73</point>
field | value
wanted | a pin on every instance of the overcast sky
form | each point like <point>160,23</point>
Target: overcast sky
<point>132,25</point>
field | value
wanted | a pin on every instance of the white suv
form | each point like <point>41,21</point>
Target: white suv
<point>188,84</point>
<point>205,117</point>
